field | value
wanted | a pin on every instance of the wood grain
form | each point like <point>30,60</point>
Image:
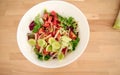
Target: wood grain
<point>101,57</point>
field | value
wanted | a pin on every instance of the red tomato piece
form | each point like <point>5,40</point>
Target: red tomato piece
<point>53,13</point>
<point>55,22</point>
<point>45,52</point>
<point>47,24</point>
<point>54,32</point>
<point>41,30</point>
<point>49,19</point>
<point>72,35</point>
<point>45,16</point>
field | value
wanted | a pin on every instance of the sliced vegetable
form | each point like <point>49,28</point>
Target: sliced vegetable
<point>32,42</point>
<point>46,24</point>
<point>60,56</point>
<point>53,13</point>
<point>45,52</point>
<point>41,31</point>
<point>49,48</point>
<point>56,45</point>
<point>41,42</point>
<point>51,40</point>
<point>66,38</point>
<point>45,16</point>
<point>72,35</point>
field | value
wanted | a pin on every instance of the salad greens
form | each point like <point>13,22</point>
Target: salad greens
<point>38,23</point>
<point>74,43</point>
<point>67,22</point>
<point>53,36</point>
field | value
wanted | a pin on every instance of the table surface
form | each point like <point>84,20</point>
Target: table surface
<point>101,57</point>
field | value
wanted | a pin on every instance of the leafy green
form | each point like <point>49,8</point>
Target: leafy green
<point>40,56</point>
<point>46,57</point>
<point>38,24</point>
<point>67,22</point>
<point>36,51</point>
<point>74,43</point>
<point>36,28</point>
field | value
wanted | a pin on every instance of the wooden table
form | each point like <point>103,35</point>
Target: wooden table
<point>101,57</point>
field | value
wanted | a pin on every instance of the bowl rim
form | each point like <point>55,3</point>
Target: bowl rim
<point>87,40</point>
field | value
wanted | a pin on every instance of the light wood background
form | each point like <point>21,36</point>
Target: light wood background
<point>101,57</point>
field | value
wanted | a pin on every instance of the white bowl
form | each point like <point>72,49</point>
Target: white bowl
<point>65,9</point>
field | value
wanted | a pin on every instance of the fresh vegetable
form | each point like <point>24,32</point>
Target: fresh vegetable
<point>60,56</point>
<point>32,42</point>
<point>53,36</point>
<point>40,56</point>
<point>72,35</point>
<point>38,22</point>
<point>41,42</point>
<point>49,48</point>
<point>31,26</point>
<point>47,57</point>
<point>117,22</point>
<point>51,40</point>
<point>55,45</point>
<point>74,43</point>
<point>66,39</point>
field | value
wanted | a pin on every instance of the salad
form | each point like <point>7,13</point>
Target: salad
<point>53,36</point>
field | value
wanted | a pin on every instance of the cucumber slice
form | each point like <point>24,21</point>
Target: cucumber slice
<point>56,45</point>
<point>49,48</point>
<point>66,38</point>
<point>60,56</point>
<point>32,42</point>
<point>41,42</point>
<point>51,40</point>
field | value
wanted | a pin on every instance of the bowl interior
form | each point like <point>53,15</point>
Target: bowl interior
<point>65,9</point>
